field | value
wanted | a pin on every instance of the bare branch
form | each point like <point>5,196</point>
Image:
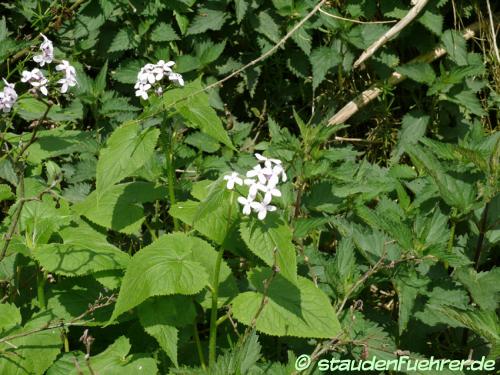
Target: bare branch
<point>375,90</point>
<point>405,21</point>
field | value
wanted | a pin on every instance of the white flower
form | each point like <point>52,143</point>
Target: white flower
<point>143,91</point>
<point>151,74</point>
<point>36,79</point>
<point>146,74</point>
<point>262,174</point>
<point>47,54</point>
<point>69,79</point>
<point>166,66</point>
<point>278,170</point>
<point>270,191</point>
<point>253,187</point>
<point>247,204</point>
<point>8,97</point>
<point>268,162</point>
<point>232,179</point>
<point>262,208</point>
<point>176,78</point>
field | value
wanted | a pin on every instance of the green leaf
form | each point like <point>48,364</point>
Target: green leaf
<point>483,286</point>
<point>267,237</point>
<point>207,19</point>
<point>10,316</point>
<point>100,81</point>
<point>300,310</point>
<point>322,60</point>
<point>268,27</point>
<point>408,285</point>
<point>456,46</point>
<point>54,143</point>
<point>161,315</point>
<point>413,128</point>
<point>202,142</point>
<point>83,251</point>
<point>164,32</point>
<point>455,192</point>
<point>112,361</point>
<point>127,150</point>
<point>119,207</point>
<point>5,192</point>
<point>122,41</point>
<point>32,109</point>
<point>127,71</point>
<point>432,21</point>
<point>241,7</point>
<point>31,354</point>
<point>419,72</point>
<point>208,52</point>
<point>194,107</point>
<point>168,266</point>
<point>71,297</point>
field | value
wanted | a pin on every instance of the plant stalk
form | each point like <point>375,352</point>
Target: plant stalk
<point>212,341</point>
<point>198,346</point>
<point>171,172</point>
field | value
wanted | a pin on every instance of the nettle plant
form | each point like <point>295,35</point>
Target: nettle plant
<point>150,234</point>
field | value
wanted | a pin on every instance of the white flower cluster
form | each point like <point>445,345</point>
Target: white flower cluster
<point>262,181</point>
<point>8,97</point>
<point>151,74</point>
<point>36,78</point>
<point>47,52</point>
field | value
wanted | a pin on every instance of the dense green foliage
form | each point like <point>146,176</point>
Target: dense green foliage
<point>124,252</point>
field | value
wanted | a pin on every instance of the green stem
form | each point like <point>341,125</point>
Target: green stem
<point>198,346</point>
<point>452,236</point>
<point>40,289</point>
<point>171,173</point>
<point>213,312</point>
<point>450,241</point>
<point>212,341</point>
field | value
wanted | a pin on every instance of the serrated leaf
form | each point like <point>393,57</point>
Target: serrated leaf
<point>483,286</point>
<point>118,207</point>
<point>160,317</point>
<point>303,39</point>
<point>83,251</point>
<point>419,72</point>
<point>10,316</point>
<point>122,41</point>
<point>206,19</point>
<point>268,26</point>
<point>163,32</point>
<point>127,71</point>
<point>413,128</point>
<point>202,142</point>
<point>455,44</point>
<point>31,354</point>
<point>323,59</point>
<point>197,111</point>
<point>127,150</point>
<point>241,7</point>
<point>168,266</point>
<point>432,21</point>
<point>300,310</point>
<point>71,297</point>
<point>115,360</point>
<point>267,237</point>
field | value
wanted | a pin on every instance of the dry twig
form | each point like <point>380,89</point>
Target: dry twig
<point>375,90</point>
<point>405,21</point>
